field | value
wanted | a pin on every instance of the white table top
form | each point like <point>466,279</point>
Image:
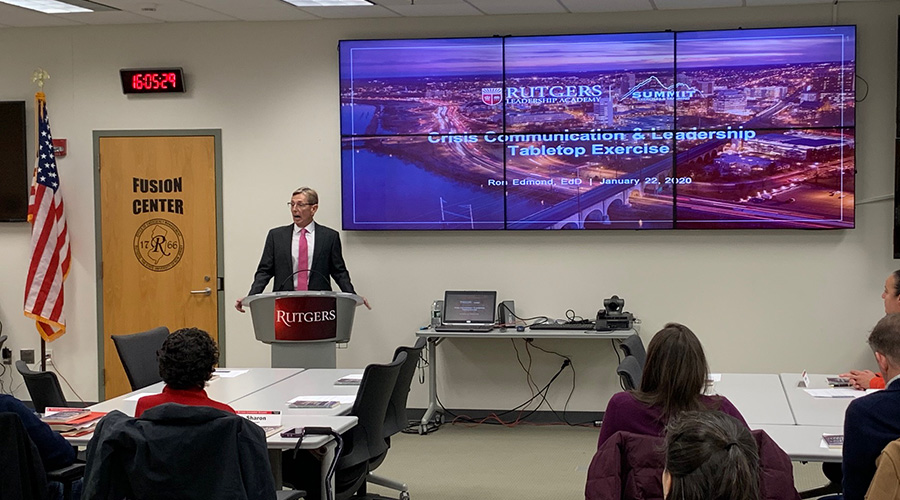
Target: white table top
<point>340,424</point>
<point>808,410</point>
<point>758,396</point>
<point>511,333</point>
<point>312,382</point>
<point>265,389</point>
<point>223,389</point>
<point>803,442</point>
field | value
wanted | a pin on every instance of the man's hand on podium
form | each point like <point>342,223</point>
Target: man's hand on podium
<point>366,302</point>
<point>239,305</point>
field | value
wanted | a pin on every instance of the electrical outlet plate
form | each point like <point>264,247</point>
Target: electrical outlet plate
<point>26,355</point>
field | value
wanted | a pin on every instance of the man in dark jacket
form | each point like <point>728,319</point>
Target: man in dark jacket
<point>873,421</point>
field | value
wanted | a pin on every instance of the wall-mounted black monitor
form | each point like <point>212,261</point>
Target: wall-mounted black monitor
<point>13,162</point>
<point>705,129</point>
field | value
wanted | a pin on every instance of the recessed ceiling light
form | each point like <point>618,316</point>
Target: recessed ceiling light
<point>58,7</point>
<point>330,3</point>
<point>47,6</point>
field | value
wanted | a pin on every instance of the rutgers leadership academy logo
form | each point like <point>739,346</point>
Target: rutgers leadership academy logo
<point>491,95</point>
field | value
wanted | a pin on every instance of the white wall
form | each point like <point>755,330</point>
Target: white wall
<point>761,301</point>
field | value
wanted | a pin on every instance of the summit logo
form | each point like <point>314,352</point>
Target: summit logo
<point>647,92</point>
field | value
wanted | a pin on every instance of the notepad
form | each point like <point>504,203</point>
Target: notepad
<point>833,441</point>
<point>304,403</point>
<point>352,379</point>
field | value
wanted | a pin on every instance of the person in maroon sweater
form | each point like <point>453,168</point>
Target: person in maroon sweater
<point>187,360</point>
<point>672,382</point>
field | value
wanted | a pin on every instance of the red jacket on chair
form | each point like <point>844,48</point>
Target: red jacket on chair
<point>629,466</point>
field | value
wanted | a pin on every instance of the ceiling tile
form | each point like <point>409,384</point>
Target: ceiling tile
<point>257,10</point>
<point>349,12</point>
<point>500,7</point>
<point>607,5</point>
<point>422,10</point>
<point>110,17</point>
<point>759,3</point>
<point>170,10</point>
<point>696,4</point>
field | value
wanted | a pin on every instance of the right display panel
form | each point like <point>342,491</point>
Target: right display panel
<point>769,143</point>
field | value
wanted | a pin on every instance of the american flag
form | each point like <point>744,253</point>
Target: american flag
<point>50,256</point>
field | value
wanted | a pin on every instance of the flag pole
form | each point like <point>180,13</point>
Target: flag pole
<point>38,78</point>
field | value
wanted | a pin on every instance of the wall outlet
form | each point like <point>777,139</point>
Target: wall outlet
<point>26,355</point>
<point>47,354</point>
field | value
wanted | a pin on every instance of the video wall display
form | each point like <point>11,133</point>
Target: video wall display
<point>741,129</point>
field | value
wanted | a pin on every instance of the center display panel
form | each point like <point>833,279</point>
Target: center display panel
<point>738,129</point>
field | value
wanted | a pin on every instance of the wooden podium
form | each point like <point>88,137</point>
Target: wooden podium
<point>303,327</point>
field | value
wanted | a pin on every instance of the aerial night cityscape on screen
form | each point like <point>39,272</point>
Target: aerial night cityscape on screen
<point>739,129</point>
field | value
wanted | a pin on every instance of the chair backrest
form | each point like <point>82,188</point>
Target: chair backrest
<point>23,475</point>
<point>178,451</point>
<point>629,371</point>
<point>43,387</point>
<point>634,346</point>
<point>366,441</point>
<point>396,420</point>
<point>138,354</point>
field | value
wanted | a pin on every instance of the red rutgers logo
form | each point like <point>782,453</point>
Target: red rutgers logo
<point>491,95</point>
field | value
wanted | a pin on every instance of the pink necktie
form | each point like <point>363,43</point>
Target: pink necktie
<point>302,262</point>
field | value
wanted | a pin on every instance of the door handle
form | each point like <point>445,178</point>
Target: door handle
<point>205,291</point>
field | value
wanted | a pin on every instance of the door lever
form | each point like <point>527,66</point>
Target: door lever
<point>205,291</point>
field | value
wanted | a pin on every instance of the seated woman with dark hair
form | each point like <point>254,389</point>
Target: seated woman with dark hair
<point>187,360</point>
<point>710,456</point>
<point>672,382</point>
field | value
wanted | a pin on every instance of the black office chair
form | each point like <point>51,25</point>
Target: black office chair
<point>362,443</point>
<point>633,346</point>
<point>629,371</point>
<point>138,354</point>
<point>24,475</point>
<point>43,387</point>
<point>396,419</point>
<point>178,451</point>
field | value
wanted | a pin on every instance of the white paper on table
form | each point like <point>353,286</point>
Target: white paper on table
<point>823,444</point>
<point>229,373</point>
<point>837,392</point>
<point>140,395</point>
<point>344,400</point>
<point>352,377</point>
<point>714,377</point>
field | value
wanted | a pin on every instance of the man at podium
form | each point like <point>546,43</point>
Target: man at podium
<point>303,255</point>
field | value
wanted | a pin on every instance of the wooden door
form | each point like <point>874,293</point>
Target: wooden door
<point>158,240</point>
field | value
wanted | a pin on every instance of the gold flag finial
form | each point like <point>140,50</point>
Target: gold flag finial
<point>38,77</point>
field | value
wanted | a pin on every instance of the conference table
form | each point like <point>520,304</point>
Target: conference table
<point>265,389</point>
<point>795,419</point>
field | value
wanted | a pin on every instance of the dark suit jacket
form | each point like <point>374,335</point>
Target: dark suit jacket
<point>328,260</point>
<point>871,422</point>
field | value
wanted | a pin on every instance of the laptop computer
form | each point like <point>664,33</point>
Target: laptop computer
<point>468,311</point>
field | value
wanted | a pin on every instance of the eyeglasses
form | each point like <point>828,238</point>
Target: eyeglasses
<point>298,204</point>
